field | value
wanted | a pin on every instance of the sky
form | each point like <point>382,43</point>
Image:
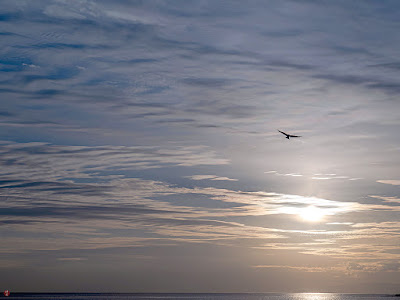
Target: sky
<point>139,149</point>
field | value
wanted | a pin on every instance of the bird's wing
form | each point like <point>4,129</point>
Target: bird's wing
<point>283,132</point>
<point>294,135</point>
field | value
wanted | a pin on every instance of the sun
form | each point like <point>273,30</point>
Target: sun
<point>311,214</point>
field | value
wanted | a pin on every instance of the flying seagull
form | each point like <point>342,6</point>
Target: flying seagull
<point>288,136</point>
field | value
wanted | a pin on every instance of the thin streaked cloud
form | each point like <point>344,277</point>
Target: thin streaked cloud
<point>392,181</point>
<point>210,177</point>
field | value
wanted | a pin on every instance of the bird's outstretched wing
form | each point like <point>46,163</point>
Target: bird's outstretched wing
<point>294,135</point>
<point>283,132</point>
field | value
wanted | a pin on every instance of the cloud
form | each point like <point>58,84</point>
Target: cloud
<point>317,176</point>
<point>344,79</point>
<point>373,267</point>
<point>391,182</point>
<point>387,199</point>
<point>287,64</point>
<point>62,46</point>
<point>281,174</point>
<point>71,258</point>
<point>30,66</point>
<point>292,175</point>
<point>210,177</point>
<point>85,191</point>
<point>308,269</point>
<point>329,176</point>
<point>207,82</point>
<point>45,161</point>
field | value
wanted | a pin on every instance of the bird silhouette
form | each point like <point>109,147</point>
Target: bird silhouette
<point>288,136</point>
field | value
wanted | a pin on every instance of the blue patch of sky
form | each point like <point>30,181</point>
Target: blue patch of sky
<point>14,63</point>
<point>62,46</point>
<point>5,17</point>
<point>59,73</point>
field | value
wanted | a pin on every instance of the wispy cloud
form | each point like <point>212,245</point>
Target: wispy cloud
<point>54,178</point>
<point>42,161</point>
<point>387,199</point>
<point>71,258</point>
<point>390,181</point>
<point>210,177</point>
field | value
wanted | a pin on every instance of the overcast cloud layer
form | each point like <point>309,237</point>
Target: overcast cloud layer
<point>139,149</point>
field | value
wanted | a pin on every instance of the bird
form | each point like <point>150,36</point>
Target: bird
<point>288,136</point>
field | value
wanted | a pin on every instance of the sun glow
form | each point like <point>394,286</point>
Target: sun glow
<point>311,214</point>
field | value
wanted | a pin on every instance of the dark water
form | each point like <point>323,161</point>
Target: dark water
<point>300,296</point>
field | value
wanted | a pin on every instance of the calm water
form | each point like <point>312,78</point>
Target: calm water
<point>200,297</point>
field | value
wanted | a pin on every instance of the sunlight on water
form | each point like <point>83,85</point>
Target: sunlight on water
<point>316,296</point>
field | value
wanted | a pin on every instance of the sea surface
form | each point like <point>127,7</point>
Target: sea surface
<point>108,296</point>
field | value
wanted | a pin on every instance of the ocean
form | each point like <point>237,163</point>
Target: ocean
<point>109,296</point>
